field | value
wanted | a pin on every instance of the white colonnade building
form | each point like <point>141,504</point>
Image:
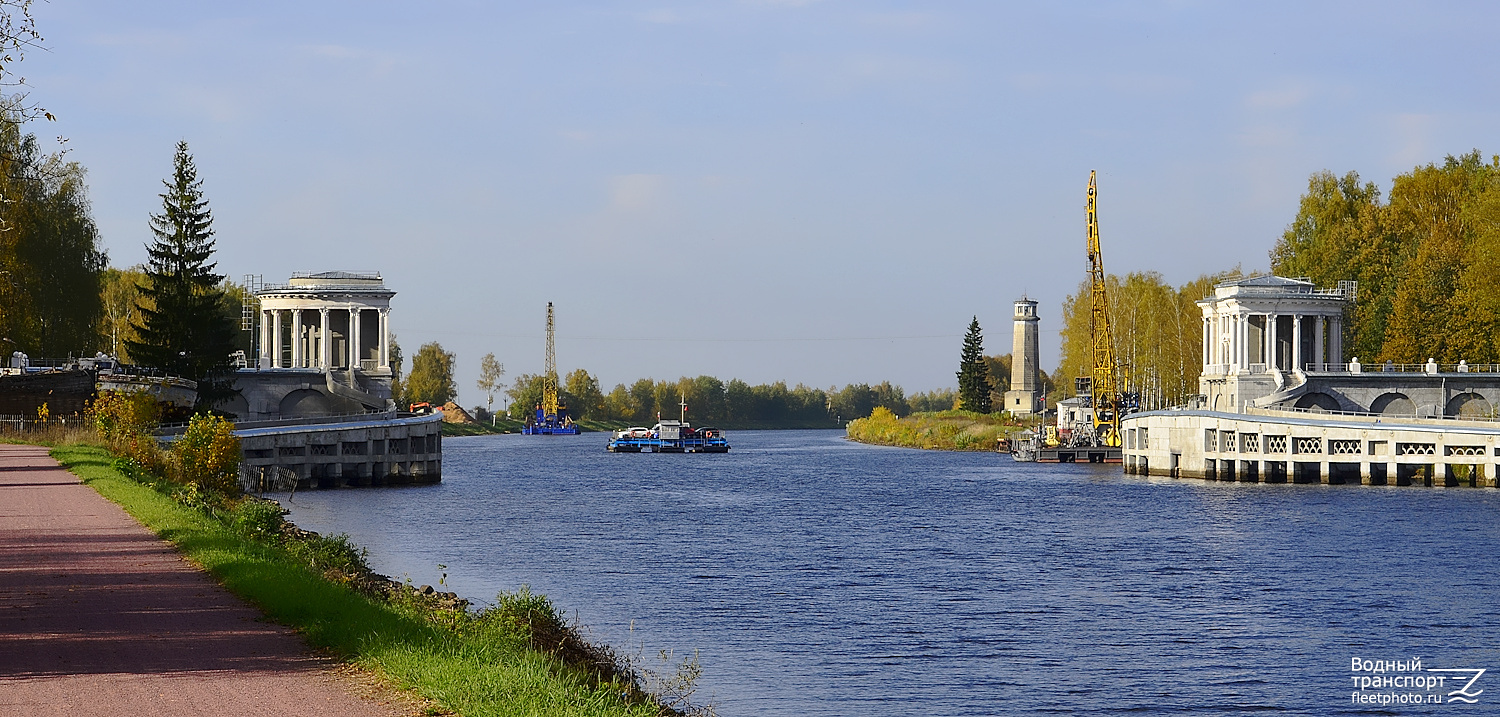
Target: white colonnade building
<point>1259,331</point>
<point>323,348</point>
<point>334,320</point>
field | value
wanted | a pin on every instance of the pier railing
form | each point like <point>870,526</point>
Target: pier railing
<point>172,429</point>
<point>1391,367</point>
<point>1319,412</point>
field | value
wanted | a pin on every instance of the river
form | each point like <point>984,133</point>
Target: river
<point>816,576</point>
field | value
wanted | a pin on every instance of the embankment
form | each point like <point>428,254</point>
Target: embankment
<point>517,657</point>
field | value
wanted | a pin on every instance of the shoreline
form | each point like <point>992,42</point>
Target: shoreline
<point>518,652</point>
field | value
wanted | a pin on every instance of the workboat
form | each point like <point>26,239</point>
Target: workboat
<point>669,437</point>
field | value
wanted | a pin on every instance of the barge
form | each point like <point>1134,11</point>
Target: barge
<point>669,437</point>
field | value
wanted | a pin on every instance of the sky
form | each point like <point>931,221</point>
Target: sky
<point>816,192</point>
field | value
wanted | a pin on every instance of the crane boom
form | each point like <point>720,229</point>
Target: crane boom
<point>1105,375</point>
<point>549,378</point>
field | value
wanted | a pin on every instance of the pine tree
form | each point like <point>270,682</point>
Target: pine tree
<point>184,330</point>
<point>973,373</point>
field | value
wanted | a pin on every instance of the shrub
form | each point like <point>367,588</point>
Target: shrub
<point>259,519</point>
<point>207,454</point>
<point>126,422</point>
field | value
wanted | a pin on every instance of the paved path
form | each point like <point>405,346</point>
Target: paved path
<point>100,617</point>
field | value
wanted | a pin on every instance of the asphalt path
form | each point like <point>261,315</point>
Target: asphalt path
<point>98,616</point>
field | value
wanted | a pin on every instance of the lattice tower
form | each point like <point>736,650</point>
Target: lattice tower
<point>549,379</point>
<point>1105,375</point>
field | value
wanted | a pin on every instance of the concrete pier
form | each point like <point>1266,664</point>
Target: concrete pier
<point>1288,446</point>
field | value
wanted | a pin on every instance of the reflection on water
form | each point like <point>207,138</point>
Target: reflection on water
<point>821,577</point>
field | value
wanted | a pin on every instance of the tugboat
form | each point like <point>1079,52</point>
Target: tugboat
<point>669,437</point>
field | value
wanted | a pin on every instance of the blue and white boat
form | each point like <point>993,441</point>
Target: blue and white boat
<point>669,437</point>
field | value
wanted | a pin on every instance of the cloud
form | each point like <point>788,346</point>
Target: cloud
<point>636,192</point>
<point>662,16</point>
<point>854,72</point>
<point>900,20</point>
<point>1280,98</point>
<point>784,3</point>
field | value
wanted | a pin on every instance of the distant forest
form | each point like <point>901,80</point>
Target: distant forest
<point>1425,259</point>
<point>737,404</point>
<point>711,401</point>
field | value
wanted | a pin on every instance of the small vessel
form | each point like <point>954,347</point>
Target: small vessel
<point>669,437</point>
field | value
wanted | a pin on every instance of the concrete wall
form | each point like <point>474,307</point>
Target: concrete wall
<point>387,450</point>
<point>1275,446</point>
<point>270,394</point>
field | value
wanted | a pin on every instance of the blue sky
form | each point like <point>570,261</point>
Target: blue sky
<point>816,192</point>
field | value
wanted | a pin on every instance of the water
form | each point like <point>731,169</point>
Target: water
<point>822,577</point>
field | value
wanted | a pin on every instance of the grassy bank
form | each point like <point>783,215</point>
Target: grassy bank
<point>515,658</point>
<point>942,430</point>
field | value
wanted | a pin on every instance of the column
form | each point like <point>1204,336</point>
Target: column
<point>276,339</point>
<point>1318,327</point>
<point>297,352</point>
<point>1271,342</point>
<point>1234,342</point>
<point>385,337</point>
<point>1244,352</point>
<point>1207,343</point>
<point>325,346</point>
<point>353,337</point>
<point>265,339</point>
<point>1296,341</point>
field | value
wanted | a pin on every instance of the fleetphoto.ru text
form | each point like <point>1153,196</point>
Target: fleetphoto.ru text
<point>1408,682</point>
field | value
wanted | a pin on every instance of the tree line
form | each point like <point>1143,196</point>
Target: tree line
<point>708,399</point>
<point>1425,258</point>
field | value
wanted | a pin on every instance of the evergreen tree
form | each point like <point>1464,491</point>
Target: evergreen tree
<point>184,329</point>
<point>973,373</point>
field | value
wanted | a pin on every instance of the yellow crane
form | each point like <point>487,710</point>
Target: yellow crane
<point>549,376</point>
<point>1105,378</point>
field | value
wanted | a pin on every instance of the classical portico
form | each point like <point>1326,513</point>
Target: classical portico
<point>331,320</point>
<point>1260,334</point>
<point>323,348</point>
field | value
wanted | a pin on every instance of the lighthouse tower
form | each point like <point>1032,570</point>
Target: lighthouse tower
<point>1022,399</point>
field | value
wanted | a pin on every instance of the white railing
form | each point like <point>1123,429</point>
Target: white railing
<point>1392,367</point>
<point>1268,411</point>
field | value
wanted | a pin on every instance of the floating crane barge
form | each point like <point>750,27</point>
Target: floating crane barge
<point>550,418</point>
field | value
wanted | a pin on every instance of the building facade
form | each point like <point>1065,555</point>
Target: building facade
<point>1279,404</point>
<point>323,349</point>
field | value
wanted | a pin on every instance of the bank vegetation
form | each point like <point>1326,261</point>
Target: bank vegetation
<point>952,430</point>
<point>518,656</point>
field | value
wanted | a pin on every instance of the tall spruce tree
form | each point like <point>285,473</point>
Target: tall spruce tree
<point>184,329</point>
<point>973,373</point>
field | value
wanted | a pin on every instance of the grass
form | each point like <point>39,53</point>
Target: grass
<point>941,430</point>
<point>474,663</point>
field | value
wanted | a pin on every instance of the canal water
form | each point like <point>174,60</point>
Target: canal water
<point>815,576</point>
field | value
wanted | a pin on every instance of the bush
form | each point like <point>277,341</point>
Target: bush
<point>207,454</point>
<point>259,519</point>
<point>126,422</point>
